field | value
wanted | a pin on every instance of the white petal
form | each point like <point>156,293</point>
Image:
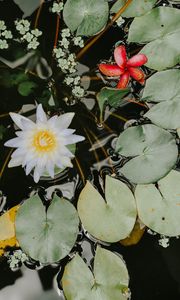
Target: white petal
<point>30,165</point>
<point>18,120</point>
<point>52,121</point>
<point>74,138</point>
<point>65,120</point>
<point>40,114</point>
<point>13,142</point>
<point>64,151</point>
<point>36,175</point>
<point>67,132</point>
<point>50,168</point>
<point>66,161</point>
<point>15,162</point>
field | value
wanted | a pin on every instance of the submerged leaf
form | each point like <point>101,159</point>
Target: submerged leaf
<point>28,7</point>
<point>109,281</point>
<point>88,17</point>
<point>159,206</point>
<point>153,152</point>
<point>161,28</point>
<point>135,235</point>
<point>112,220</point>
<point>47,236</point>
<point>7,229</point>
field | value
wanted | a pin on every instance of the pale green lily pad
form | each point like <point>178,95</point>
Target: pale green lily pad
<point>160,27</point>
<point>112,220</point>
<point>159,206</point>
<point>113,97</point>
<point>135,9</point>
<point>109,281</point>
<point>164,87</point>
<point>46,236</point>
<point>88,17</point>
<point>153,152</point>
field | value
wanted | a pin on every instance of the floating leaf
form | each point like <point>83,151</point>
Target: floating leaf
<point>7,229</point>
<point>28,7</point>
<point>152,149</point>
<point>25,88</point>
<point>111,96</point>
<point>135,235</point>
<point>159,206</point>
<point>164,87</point>
<point>160,27</point>
<point>112,220</point>
<point>135,9</point>
<point>109,281</point>
<point>88,17</point>
<point>47,236</point>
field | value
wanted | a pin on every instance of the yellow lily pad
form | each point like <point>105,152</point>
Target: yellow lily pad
<point>7,229</point>
<point>135,235</point>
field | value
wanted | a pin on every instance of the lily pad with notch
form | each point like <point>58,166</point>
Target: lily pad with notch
<point>152,151</point>
<point>108,220</point>
<point>135,9</point>
<point>159,205</point>
<point>47,236</point>
<point>109,280</point>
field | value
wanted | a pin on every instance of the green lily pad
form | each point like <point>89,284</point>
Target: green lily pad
<point>88,17</point>
<point>111,96</point>
<point>161,28</point>
<point>110,220</point>
<point>153,152</point>
<point>159,206</point>
<point>164,87</point>
<point>135,9</point>
<point>47,236</point>
<point>109,281</point>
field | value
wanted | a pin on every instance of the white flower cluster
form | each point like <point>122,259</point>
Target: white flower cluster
<point>15,259</point>
<point>164,241</point>
<point>57,7</point>
<point>67,61</point>
<point>28,35</point>
<point>4,35</point>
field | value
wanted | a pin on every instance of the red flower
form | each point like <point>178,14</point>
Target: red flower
<point>125,68</point>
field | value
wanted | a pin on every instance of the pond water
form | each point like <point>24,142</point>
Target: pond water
<point>154,271</point>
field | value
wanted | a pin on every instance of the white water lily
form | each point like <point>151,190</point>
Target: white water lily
<point>42,145</point>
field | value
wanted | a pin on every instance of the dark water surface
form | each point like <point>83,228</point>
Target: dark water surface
<point>154,271</point>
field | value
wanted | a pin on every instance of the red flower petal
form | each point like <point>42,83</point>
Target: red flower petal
<point>137,60</point>
<point>142,81</point>
<point>124,80</point>
<point>110,70</point>
<point>120,56</point>
<point>136,73</point>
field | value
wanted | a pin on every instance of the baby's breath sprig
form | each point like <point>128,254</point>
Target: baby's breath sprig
<point>5,35</point>
<point>16,259</point>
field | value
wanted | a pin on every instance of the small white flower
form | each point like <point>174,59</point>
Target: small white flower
<point>78,91</point>
<point>2,25</point>
<point>120,21</point>
<point>36,32</point>
<point>59,52</point>
<point>69,80</point>
<point>164,242</point>
<point>66,32</point>
<point>28,37</point>
<point>65,43</point>
<point>42,145</point>
<point>3,44</point>
<point>7,34</point>
<point>33,44</point>
<point>22,26</point>
<point>78,41</point>
<point>57,7</point>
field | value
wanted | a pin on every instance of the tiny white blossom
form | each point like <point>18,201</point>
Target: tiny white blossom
<point>28,37</point>
<point>33,44</point>
<point>3,44</point>
<point>42,146</point>
<point>78,91</point>
<point>164,242</point>
<point>65,43</point>
<point>72,70</point>
<point>66,32</point>
<point>2,25</point>
<point>7,34</point>
<point>77,80</point>
<point>22,26</point>
<point>63,63</point>
<point>59,52</point>
<point>69,80</point>
<point>78,41</point>
<point>57,7</point>
<point>36,32</point>
<point>120,21</point>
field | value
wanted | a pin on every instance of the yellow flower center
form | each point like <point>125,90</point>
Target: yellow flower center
<point>44,141</point>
